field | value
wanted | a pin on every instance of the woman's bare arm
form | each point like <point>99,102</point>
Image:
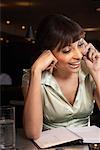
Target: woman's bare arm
<point>32,115</point>
<point>93,63</point>
<point>33,111</point>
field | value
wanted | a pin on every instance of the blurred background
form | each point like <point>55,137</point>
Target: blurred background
<point>19,21</point>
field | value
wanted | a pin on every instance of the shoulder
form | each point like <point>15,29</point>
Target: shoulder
<point>48,79</point>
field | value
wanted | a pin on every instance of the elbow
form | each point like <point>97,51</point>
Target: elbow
<point>32,130</point>
<point>36,136</point>
<point>33,134</point>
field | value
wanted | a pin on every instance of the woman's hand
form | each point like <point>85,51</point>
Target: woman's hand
<point>46,61</point>
<point>92,59</point>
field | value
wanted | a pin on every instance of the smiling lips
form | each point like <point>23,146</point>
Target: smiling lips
<point>75,65</point>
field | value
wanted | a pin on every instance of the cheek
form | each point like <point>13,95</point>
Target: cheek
<point>63,59</point>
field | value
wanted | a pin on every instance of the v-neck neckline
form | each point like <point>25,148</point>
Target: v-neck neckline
<point>66,99</point>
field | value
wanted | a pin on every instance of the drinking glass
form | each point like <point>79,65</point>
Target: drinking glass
<point>7,128</point>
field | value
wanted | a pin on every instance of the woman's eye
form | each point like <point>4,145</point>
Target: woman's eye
<point>66,50</point>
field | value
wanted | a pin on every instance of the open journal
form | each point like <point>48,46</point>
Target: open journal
<point>62,135</point>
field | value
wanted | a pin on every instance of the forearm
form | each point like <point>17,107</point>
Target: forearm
<point>97,91</point>
<point>97,95</point>
<point>33,114</point>
<point>92,60</point>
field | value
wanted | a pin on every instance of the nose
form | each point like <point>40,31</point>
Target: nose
<point>77,54</point>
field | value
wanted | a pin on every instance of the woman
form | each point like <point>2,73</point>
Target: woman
<point>57,90</point>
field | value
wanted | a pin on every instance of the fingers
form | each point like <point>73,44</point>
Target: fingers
<point>90,52</point>
<point>84,41</point>
<point>52,66</point>
<point>91,55</point>
<point>51,61</point>
<point>85,45</point>
<point>86,50</point>
<point>45,61</point>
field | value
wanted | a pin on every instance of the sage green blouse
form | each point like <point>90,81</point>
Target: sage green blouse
<point>57,111</point>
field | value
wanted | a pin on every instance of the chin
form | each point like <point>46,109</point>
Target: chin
<point>75,69</point>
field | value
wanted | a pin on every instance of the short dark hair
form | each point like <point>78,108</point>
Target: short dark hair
<point>57,29</point>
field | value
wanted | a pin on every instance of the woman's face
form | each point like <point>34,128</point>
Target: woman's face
<point>69,58</point>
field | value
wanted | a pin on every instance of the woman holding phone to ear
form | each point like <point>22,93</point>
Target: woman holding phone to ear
<point>64,81</point>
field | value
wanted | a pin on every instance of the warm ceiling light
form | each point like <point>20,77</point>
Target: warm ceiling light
<point>92,29</point>
<point>20,4</point>
<point>23,3</point>
<point>98,9</point>
<point>8,22</point>
<point>1,39</point>
<point>23,27</point>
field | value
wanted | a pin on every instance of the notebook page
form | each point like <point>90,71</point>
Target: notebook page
<point>55,137</point>
<point>90,134</point>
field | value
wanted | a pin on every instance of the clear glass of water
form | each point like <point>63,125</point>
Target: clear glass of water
<point>7,128</point>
